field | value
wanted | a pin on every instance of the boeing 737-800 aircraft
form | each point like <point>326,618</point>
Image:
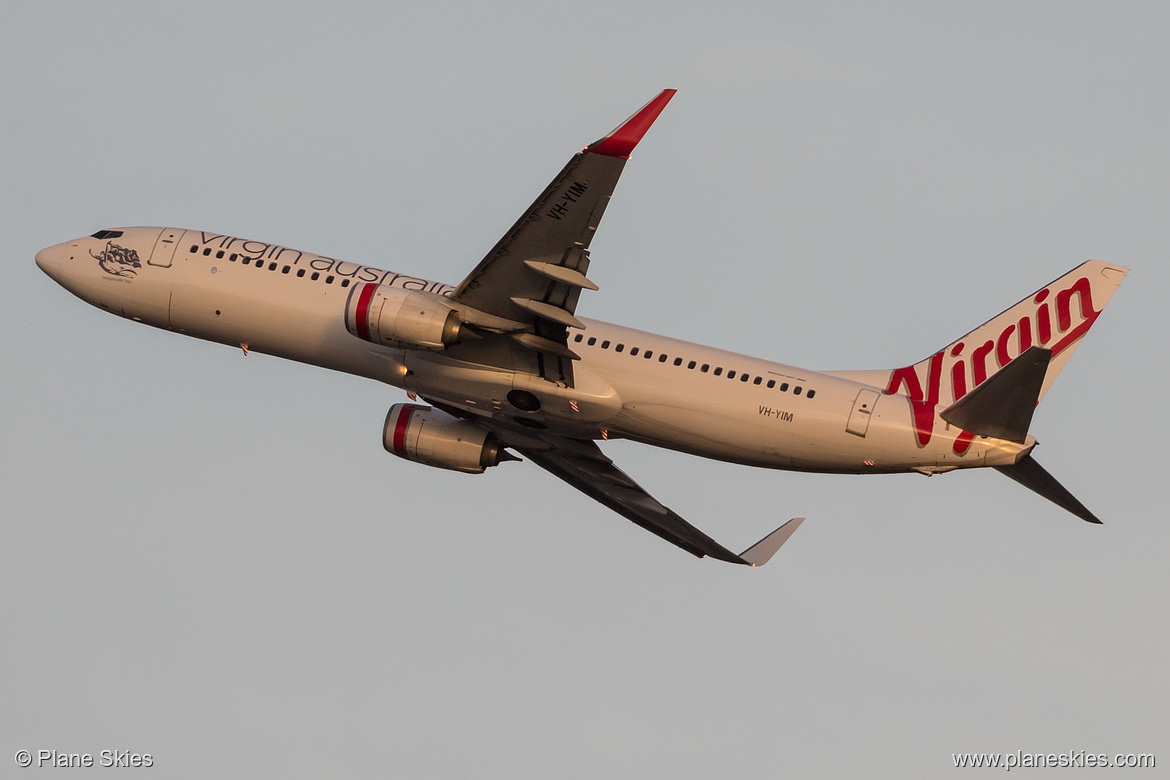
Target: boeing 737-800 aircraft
<point>506,364</point>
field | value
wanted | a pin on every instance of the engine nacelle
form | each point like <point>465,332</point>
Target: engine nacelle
<point>426,435</point>
<point>400,318</point>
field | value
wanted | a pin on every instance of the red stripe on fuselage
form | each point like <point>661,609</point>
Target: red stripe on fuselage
<point>362,315</point>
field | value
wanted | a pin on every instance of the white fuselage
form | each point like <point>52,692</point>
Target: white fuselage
<point>662,391</point>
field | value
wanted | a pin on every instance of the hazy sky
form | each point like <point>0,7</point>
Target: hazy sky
<point>209,557</point>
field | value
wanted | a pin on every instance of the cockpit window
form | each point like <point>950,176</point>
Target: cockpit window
<point>103,234</point>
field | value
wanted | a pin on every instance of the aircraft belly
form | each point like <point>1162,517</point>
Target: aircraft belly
<point>583,408</point>
<point>710,433</point>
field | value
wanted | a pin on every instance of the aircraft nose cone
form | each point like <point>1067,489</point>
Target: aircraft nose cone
<point>49,261</point>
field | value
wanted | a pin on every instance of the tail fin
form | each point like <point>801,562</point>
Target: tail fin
<point>988,382</point>
<point>1056,317</point>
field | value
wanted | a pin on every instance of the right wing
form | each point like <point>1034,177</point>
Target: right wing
<point>582,464</point>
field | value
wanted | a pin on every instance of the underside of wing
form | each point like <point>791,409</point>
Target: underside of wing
<point>582,464</point>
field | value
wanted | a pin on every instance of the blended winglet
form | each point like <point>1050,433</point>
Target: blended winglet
<point>762,551</point>
<point>622,141</point>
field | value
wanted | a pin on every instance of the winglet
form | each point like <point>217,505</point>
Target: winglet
<point>622,141</point>
<point>762,551</point>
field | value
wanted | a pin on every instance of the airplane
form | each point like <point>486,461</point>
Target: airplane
<point>508,369</point>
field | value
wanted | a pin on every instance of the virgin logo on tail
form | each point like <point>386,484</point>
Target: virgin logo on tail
<point>1044,319</point>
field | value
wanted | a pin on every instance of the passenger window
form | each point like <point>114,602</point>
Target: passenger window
<point>771,383</point>
<point>783,387</point>
<point>648,354</point>
<point>286,269</point>
<point>592,340</point>
<point>757,380</point>
<point>731,374</point>
<point>619,347</point>
<point>796,390</point>
<point>605,344</point>
<point>578,337</point>
<point>662,358</point>
<point>691,365</point>
<point>300,271</point>
<point>315,276</point>
<point>328,280</point>
<point>207,252</point>
<point>811,393</point>
<point>219,255</point>
<point>706,367</point>
<point>678,361</point>
<point>247,261</point>
<point>746,377</point>
<point>634,351</point>
<point>718,370</point>
<point>345,282</point>
<point>194,249</point>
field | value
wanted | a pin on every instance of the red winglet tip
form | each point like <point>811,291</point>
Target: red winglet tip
<point>622,141</point>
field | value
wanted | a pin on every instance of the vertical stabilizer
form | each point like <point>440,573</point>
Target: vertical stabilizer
<point>1057,317</point>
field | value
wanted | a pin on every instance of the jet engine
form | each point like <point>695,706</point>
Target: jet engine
<point>400,318</point>
<point>426,435</point>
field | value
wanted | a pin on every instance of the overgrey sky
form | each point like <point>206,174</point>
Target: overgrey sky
<point>209,558</point>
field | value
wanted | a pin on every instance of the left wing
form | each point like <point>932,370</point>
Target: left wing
<point>529,283</point>
<point>582,464</point>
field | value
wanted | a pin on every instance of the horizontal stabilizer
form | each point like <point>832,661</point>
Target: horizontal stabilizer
<point>1002,406</point>
<point>762,551</point>
<point>1032,475</point>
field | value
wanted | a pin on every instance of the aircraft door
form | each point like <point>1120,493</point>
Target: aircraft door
<point>859,418</point>
<point>164,248</point>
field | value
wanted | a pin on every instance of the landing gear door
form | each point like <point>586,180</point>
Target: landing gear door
<point>862,411</point>
<point>165,246</point>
